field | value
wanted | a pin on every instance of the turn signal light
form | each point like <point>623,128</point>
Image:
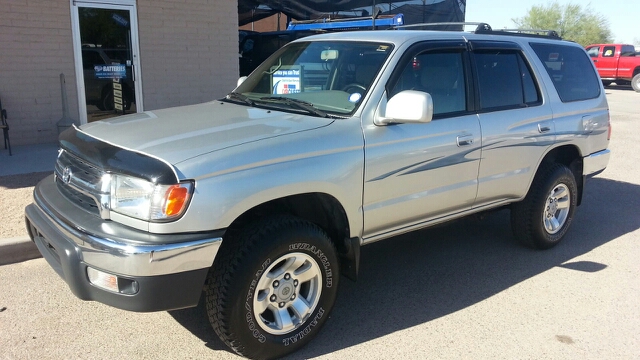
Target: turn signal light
<point>177,197</point>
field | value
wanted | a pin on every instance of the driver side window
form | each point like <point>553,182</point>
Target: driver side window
<point>440,74</point>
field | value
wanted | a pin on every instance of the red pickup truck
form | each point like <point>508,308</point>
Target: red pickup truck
<point>617,63</point>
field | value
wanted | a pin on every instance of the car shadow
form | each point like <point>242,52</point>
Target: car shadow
<point>424,275</point>
<point>619,87</point>
<point>22,180</point>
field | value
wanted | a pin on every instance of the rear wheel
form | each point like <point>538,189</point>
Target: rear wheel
<point>542,219</point>
<point>635,82</point>
<point>272,287</point>
<point>606,82</point>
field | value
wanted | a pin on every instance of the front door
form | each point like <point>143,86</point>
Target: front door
<point>107,61</point>
<point>420,172</point>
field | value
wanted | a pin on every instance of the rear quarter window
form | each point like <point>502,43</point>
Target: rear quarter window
<point>571,71</point>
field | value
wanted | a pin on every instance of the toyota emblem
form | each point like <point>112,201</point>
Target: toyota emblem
<point>66,175</point>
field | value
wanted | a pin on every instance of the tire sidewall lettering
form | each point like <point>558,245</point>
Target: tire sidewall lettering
<point>318,253</point>
<point>307,329</point>
<point>251,322</point>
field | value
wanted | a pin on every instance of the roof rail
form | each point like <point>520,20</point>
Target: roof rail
<point>484,28</point>
<point>551,34</point>
<point>479,25</point>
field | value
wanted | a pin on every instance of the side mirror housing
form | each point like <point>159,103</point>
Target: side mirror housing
<point>409,106</point>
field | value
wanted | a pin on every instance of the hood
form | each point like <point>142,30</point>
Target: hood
<point>181,133</point>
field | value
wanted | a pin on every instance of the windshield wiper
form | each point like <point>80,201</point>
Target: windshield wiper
<point>300,104</point>
<point>238,96</point>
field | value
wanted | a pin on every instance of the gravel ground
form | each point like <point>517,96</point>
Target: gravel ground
<point>15,194</point>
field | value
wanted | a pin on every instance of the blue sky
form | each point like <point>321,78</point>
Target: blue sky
<point>623,15</point>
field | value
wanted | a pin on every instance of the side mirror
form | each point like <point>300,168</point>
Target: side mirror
<point>241,80</point>
<point>407,106</point>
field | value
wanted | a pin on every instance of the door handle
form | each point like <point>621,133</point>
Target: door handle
<point>465,140</point>
<point>543,128</point>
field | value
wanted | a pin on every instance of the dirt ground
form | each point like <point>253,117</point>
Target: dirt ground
<point>16,192</point>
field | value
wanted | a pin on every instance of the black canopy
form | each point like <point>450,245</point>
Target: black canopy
<point>444,11</point>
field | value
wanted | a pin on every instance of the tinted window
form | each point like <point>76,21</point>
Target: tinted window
<point>570,70</point>
<point>504,80</point>
<point>439,74</point>
<point>628,50</point>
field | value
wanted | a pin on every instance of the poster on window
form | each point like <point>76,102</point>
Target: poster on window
<point>286,81</point>
<point>116,71</point>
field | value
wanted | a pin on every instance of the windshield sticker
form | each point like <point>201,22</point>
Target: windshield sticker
<point>383,48</point>
<point>286,81</point>
<point>355,97</point>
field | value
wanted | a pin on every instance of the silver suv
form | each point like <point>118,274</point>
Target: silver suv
<point>263,198</point>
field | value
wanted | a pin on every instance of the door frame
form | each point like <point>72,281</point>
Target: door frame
<point>129,5</point>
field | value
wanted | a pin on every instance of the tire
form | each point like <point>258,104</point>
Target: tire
<point>272,287</point>
<point>542,219</point>
<point>606,82</point>
<point>635,82</point>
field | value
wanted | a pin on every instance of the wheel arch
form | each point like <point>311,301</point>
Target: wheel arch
<point>571,157</point>
<point>319,208</point>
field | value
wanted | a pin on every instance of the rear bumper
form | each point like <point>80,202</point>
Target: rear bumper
<point>168,270</point>
<point>596,162</point>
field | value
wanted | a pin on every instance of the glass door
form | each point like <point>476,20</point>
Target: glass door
<point>107,62</point>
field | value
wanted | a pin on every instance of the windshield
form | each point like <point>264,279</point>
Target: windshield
<point>320,78</point>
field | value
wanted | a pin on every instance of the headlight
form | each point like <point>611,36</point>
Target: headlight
<point>144,200</point>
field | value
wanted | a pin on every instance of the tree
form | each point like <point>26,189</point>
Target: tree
<point>572,22</point>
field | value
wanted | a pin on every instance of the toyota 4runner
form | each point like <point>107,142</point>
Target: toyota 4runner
<point>263,198</point>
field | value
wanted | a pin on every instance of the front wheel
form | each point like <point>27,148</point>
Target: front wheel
<point>272,287</point>
<point>542,219</point>
<point>635,82</point>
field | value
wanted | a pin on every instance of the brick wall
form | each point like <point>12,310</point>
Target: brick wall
<point>267,24</point>
<point>35,47</point>
<point>188,55</point>
<point>188,50</point>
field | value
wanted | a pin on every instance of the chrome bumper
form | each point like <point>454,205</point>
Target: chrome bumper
<point>595,162</point>
<point>170,268</point>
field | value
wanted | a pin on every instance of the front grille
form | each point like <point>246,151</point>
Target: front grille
<point>83,184</point>
<point>78,198</point>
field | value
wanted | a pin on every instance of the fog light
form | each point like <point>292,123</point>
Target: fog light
<point>103,280</point>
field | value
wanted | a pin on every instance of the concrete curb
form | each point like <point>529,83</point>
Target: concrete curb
<point>17,249</point>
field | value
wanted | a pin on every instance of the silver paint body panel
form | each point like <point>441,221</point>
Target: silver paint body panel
<point>389,179</point>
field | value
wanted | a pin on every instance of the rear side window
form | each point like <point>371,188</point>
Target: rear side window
<point>571,71</point>
<point>628,50</point>
<point>504,80</point>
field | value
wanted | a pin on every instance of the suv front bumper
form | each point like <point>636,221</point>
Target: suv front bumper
<point>161,272</point>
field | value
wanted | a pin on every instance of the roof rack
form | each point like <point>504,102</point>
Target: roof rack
<point>528,32</point>
<point>484,28</point>
<point>348,23</point>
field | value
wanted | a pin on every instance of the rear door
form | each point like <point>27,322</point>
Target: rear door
<point>517,125</point>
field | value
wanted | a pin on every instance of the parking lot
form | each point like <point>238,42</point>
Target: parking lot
<point>465,290</point>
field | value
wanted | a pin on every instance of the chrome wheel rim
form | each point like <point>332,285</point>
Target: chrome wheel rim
<point>287,292</point>
<point>556,209</point>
